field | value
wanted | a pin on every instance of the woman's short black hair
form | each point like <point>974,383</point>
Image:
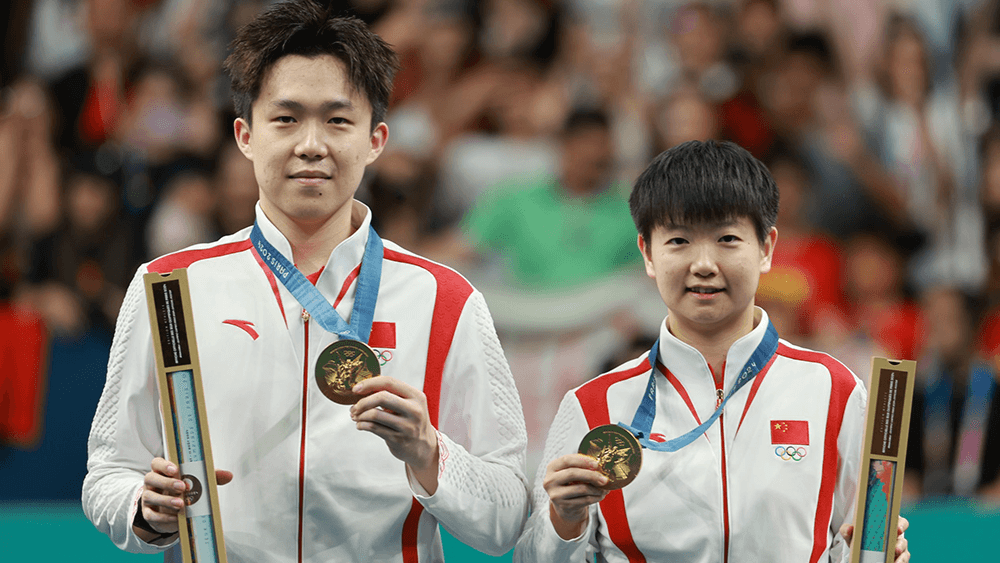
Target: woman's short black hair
<point>704,182</point>
<point>304,27</point>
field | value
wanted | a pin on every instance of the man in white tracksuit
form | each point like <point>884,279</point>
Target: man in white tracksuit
<point>774,475</point>
<point>438,438</point>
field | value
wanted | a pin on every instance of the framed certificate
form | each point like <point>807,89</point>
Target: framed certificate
<point>184,419</point>
<point>880,485</point>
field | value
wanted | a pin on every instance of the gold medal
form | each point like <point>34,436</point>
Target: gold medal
<point>618,454</point>
<point>341,366</point>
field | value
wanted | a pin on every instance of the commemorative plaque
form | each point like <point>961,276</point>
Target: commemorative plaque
<point>341,366</point>
<point>880,483</point>
<point>618,454</point>
<point>184,419</point>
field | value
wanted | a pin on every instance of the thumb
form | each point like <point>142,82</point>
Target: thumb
<point>847,530</point>
<point>222,476</point>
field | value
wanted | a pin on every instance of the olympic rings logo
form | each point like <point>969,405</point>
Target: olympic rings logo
<point>383,356</point>
<point>790,453</point>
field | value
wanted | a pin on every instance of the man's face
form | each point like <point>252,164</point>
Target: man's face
<point>310,141</point>
<point>587,159</point>
<point>707,275</point>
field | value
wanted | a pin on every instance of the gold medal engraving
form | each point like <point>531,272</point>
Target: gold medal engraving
<point>618,454</point>
<point>341,366</point>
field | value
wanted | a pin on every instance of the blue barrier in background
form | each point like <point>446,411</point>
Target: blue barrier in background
<point>60,532</point>
<point>940,531</point>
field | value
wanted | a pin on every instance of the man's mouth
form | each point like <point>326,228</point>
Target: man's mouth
<point>311,175</point>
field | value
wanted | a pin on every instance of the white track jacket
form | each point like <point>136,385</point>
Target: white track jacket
<point>734,495</point>
<point>308,486</point>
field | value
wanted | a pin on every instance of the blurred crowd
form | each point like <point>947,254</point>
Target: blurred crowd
<point>516,129</point>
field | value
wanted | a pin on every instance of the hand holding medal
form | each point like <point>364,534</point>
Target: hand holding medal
<point>345,370</point>
<point>609,458</point>
<point>397,412</point>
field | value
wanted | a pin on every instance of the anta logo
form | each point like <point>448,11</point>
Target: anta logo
<point>790,439</point>
<point>245,325</point>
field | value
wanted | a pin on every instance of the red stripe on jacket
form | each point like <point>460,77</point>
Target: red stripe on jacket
<point>753,389</point>
<point>680,391</point>
<point>593,397</point>
<point>184,258</point>
<point>453,292</point>
<point>841,386</point>
<point>273,282</point>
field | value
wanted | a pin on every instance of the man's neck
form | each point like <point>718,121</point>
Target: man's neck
<point>312,243</point>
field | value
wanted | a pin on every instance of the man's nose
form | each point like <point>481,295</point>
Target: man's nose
<point>312,143</point>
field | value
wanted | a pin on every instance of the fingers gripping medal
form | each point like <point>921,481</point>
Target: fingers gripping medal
<point>341,366</point>
<point>618,454</point>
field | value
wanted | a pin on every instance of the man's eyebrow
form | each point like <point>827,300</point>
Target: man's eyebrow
<point>331,105</point>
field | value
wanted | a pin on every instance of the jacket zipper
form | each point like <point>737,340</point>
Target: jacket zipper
<point>725,485</point>
<point>302,444</point>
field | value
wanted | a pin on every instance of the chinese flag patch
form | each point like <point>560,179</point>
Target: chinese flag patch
<point>790,432</point>
<point>383,335</point>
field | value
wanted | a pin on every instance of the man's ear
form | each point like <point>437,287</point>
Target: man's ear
<point>241,130</point>
<point>378,139</point>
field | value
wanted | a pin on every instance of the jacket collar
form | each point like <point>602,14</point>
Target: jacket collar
<point>345,257</point>
<point>688,364</point>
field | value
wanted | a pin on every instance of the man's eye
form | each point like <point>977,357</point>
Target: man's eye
<point>676,240</point>
<point>338,120</point>
<point>286,119</point>
<point>729,238</point>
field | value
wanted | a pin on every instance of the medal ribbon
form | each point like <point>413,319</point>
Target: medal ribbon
<point>313,301</point>
<point>642,423</point>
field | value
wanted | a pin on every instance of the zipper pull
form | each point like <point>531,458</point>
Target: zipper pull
<point>720,395</point>
<point>305,316</point>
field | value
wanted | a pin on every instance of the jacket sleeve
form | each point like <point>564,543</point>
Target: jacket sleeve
<point>126,433</point>
<point>481,497</point>
<point>849,444</point>
<point>540,542</point>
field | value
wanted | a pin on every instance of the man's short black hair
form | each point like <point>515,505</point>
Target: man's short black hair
<point>304,27</point>
<point>704,182</point>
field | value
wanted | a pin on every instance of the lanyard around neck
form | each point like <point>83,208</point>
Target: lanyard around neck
<point>313,301</point>
<point>642,422</point>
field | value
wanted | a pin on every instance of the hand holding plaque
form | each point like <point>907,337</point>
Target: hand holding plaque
<point>165,493</point>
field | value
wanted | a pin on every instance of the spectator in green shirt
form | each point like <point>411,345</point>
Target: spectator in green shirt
<point>556,232</point>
